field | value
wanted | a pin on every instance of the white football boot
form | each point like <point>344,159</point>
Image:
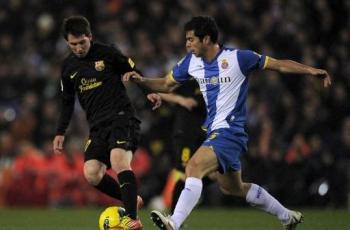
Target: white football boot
<point>162,222</point>
<point>295,218</point>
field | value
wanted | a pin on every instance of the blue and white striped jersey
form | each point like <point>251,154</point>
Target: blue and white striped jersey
<point>223,83</point>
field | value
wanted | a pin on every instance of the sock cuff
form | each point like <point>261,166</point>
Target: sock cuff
<point>126,175</point>
<point>253,193</point>
<point>193,181</point>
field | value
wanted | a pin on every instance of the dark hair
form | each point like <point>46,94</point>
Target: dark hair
<point>202,26</point>
<point>76,25</point>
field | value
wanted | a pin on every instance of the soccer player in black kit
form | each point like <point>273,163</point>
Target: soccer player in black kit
<point>93,72</point>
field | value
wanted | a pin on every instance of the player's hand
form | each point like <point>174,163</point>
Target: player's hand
<point>155,99</point>
<point>327,81</point>
<point>58,144</point>
<point>188,103</point>
<point>132,76</point>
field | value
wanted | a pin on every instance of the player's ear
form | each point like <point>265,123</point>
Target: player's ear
<point>206,39</point>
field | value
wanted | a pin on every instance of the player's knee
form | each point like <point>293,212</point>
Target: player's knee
<point>194,169</point>
<point>121,160</point>
<point>122,165</point>
<point>93,175</point>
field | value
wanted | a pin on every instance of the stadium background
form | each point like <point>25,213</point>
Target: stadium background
<point>299,145</point>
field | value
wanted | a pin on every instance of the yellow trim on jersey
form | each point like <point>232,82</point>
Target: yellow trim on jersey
<point>131,63</point>
<point>87,145</point>
<point>171,77</point>
<point>266,61</point>
<point>185,155</point>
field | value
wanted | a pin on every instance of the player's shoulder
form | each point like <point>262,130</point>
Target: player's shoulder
<point>246,51</point>
<point>228,48</point>
<point>185,59</point>
<point>237,50</point>
<point>101,46</point>
<point>69,60</point>
<point>106,48</point>
<point>227,52</point>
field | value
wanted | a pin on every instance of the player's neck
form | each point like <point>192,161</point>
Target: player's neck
<point>211,52</point>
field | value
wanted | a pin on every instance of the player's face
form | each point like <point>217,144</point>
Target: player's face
<point>193,44</point>
<point>80,45</point>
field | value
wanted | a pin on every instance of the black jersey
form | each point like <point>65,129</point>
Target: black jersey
<point>96,81</point>
<point>191,89</point>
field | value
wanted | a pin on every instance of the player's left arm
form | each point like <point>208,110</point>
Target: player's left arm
<point>289,66</point>
<point>187,102</point>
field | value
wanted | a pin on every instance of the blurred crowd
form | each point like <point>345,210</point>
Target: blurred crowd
<point>299,146</point>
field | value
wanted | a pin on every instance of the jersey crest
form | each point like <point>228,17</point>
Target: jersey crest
<point>99,65</point>
<point>224,64</point>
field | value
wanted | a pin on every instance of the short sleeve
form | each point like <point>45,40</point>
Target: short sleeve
<point>249,61</point>
<point>122,63</point>
<point>180,70</point>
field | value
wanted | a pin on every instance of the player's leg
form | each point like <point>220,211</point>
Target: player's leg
<point>123,139</point>
<point>179,186</point>
<point>231,184</point>
<point>96,163</point>
<point>120,161</point>
<point>182,153</point>
<point>95,174</point>
<point>186,141</point>
<point>201,164</point>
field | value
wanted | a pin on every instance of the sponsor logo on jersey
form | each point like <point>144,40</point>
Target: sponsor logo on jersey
<point>214,80</point>
<point>88,84</point>
<point>99,65</point>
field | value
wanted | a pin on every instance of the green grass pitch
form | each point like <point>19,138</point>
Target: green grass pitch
<point>204,219</point>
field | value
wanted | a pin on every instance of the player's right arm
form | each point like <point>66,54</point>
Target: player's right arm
<point>67,108</point>
<point>166,84</point>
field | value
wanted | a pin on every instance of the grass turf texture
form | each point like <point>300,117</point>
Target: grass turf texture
<point>204,219</point>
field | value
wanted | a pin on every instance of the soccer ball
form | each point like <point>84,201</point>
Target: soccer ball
<point>110,218</point>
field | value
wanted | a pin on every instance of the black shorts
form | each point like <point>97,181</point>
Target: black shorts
<point>123,132</point>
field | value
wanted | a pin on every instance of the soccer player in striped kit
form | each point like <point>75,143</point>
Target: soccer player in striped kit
<point>222,74</point>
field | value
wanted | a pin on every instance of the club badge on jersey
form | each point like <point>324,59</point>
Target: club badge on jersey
<point>99,65</point>
<point>224,64</point>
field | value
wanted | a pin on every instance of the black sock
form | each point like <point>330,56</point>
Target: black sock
<point>108,185</point>
<point>180,184</point>
<point>128,189</point>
